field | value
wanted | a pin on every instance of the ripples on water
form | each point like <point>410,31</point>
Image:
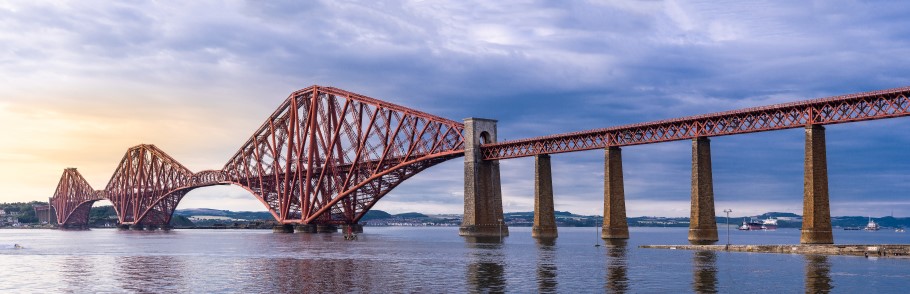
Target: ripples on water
<point>409,260</point>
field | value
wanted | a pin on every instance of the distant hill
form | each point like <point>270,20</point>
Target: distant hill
<point>244,215</point>
<point>411,215</point>
<point>375,214</point>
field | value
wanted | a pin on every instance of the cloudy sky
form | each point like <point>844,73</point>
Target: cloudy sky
<point>81,82</point>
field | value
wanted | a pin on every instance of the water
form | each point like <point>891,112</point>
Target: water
<point>435,260</point>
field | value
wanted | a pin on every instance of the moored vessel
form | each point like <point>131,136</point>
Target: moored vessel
<point>871,226</point>
<point>769,224</point>
<point>751,225</point>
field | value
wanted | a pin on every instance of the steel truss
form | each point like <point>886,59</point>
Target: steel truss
<point>73,199</point>
<point>325,156</point>
<point>833,110</point>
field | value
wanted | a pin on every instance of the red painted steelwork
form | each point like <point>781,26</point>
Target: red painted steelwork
<point>147,185</point>
<point>73,199</point>
<point>832,110</point>
<point>326,156</point>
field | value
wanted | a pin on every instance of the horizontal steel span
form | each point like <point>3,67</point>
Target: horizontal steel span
<point>832,110</point>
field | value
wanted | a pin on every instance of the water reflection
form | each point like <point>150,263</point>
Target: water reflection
<point>288,275</point>
<point>74,272</point>
<point>141,273</point>
<point>546,265</point>
<point>617,274</point>
<point>704,272</point>
<point>485,270</point>
<point>818,274</point>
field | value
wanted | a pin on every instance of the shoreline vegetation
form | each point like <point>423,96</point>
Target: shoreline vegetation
<point>22,215</point>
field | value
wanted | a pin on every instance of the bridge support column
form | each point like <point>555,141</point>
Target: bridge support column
<point>283,228</point>
<point>327,228</point>
<point>816,210</point>
<point>544,217</point>
<point>482,191</point>
<point>352,228</point>
<point>305,228</point>
<point>615,225</point>
<point>137,227</point>
<point>702,223</point>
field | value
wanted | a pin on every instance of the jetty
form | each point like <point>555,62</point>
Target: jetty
<point>879,250</point>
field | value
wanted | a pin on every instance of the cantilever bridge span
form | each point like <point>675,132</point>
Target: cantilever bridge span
<point>326,156</point>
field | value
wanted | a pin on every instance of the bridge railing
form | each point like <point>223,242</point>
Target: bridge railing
<point>831,110</point>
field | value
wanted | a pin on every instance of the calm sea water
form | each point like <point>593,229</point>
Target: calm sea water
<point>434,260</point>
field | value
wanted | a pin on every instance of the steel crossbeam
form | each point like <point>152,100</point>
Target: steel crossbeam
<point>324,156</point>
<point>831,110</point>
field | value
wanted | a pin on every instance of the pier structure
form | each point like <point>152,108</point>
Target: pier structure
<point>483,215</point>
<point>326,156</point>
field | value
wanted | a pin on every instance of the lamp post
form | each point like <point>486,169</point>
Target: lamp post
<point>728,211</point>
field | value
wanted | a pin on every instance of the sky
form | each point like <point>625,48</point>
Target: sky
<point>82,81</point>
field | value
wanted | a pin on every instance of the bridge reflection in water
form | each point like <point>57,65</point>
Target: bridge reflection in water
<point>617,279</point>
<point>546,265</point>
<point>818,274</point>
<point>704,272</point>
<point>485,272</point>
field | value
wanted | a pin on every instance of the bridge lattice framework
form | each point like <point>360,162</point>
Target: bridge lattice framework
<point>325,156</point>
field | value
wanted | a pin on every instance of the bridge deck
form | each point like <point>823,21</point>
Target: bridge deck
<point>832,110</point>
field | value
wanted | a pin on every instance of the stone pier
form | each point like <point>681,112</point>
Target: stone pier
<point>283,228</point>
<point>326,228</point>
<point>305,228</point>
<point>615,225</point>
<point>816,210</point>
<point>544,217</point>
<point>352,228</point>
<point>482,191</point>
<point>702,224</point>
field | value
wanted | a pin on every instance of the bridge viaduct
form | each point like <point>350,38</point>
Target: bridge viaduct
<point>326,156</point>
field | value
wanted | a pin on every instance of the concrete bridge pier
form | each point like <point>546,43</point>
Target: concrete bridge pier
<point>544,216</point>
<point>352,228</point>
<point>482,191</point>
<point>615,225</point>
<point>326,228</point>
<point>283,228</point>
<point>702,223</point>
<point>305,228</point>
<point>816,210</point>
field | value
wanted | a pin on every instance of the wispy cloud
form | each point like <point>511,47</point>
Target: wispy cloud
<point>82,81</point>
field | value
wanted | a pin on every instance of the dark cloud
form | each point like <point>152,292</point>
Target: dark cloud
<point>540,67</point>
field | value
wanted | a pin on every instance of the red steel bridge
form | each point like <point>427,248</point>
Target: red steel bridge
<point>326,156</point>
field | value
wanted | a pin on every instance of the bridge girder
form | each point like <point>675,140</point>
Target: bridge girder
<point>832,110</point>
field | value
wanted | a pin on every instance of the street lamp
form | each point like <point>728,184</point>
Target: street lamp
<point>728,211</point>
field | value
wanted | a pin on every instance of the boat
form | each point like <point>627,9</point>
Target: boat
<point>769,224</point>
<point>751,225</point>
<point>899,230</point>
<point>871,226</point>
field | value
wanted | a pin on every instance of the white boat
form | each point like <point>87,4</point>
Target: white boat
<point>899,230</point>
<point>871,226</point>
<point>769,224</point>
